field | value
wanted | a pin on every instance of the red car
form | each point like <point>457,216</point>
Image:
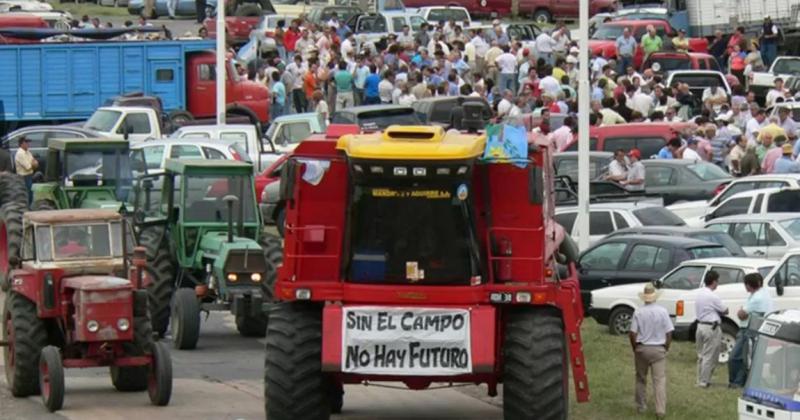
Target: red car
<point>604,40</point>
<point>239,20</point>
<point>649,138</point>
<point>669,61</point>
<point>540,10</point>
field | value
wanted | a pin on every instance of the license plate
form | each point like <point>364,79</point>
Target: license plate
<point>406,341</point>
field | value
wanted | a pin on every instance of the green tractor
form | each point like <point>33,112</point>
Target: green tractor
<point>84,173</point>
<point>200,224</point>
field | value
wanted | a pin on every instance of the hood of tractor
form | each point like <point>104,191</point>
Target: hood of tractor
<point>413,143</point>
<point>242,257</point>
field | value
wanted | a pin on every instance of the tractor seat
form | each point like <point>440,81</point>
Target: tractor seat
<point>96,283</point>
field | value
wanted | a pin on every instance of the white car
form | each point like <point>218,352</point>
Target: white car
<point>605,218</point>
<point>693,212</point>
<point>783,284</point>
<point>156,152</point>
<point>613,306</point>
<point>768,235</point>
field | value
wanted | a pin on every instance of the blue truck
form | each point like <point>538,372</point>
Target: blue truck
<point>60,82</point>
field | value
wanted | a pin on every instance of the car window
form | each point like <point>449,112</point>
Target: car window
<point>624,143</point>
<point>153,155</point>
<point>213,154</point>
<point>237,137</point>
<point>207,72</point>
<point>620,221</point>
<point>719,227</point>
<point>749,234</point>
<point>181,151</point>
<point>296,132</point>
<point>604,257</point>
<point>573,147</point>
<point>137,124</point>
<point>736,188</point>
<point>787,201</point>
<point>195,136</point>
<point>773,237</point>
<point>729,275</point>
<point>647,258</point>
<point>709,252</point>
<point>684,278</point>
<point>707,171</point>
<point>792,227</point>
<point>658,176</point>
<point>61,135</point>
<point>416,22</point>
<point>600,223</point>
<point>702,65</point>
<point>36,139</point>
<point>721,237</point>
<point>733,207</point>
<point>566,220</point>
<point>759,199</point>
<point>788,273</point>
<point>657,216</point>
<point>771,184</point>
<point>714,65</point>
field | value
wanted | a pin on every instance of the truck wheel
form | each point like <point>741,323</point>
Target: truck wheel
<point>159,384</point>
<point>619,322</point>
<point>534,365</point>
<point>161,272</point>
<point>26,336</point>
<point>43,205</point>
<point>542,16</point>
<point>12,189</point>
<point>10,239</point>
<point>179,118</point>
<point>250,10</point>
<point>51,378</point>
<point>134,378</point>
<point>729,332</point>
<point>294,385</point>
<point>185,319</point>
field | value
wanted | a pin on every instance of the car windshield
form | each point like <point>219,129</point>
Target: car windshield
<point>775,369</point>
<point>408,234</point>
<point>671,63</point>
<point>723,239</point>
<point>608,32</point>
<point>785,66</point>
<point>792,227</point>
<point>205,199</point>
<point>708,171</point>
<point>699,80</point>
<point>384,118</point>
<point>108,166</point>
<point>71,242</point>
<point>709,252</point>
<point>657,216</point>
<point>103,120</point>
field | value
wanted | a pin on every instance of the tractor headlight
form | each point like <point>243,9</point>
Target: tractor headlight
<point>92,326</point>
<point>232,277</point>
<point>255,277</point>
<point>123,324</point>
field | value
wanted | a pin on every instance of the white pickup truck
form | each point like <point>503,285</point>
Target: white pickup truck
<point>259,151</point>
<point>761,82</point>
<point>131,122</point>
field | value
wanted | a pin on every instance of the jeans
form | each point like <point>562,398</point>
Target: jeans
<point>299,100</point>
<point>769,50</point>
<point>171,6</point>
<point>508,81</point>
<point>737,370</point>
<point>200,9</point>
<point>282,53</point>
<point>372,100</point>
<point>275,110</point>
<point>547,57</point>
<point>29,185</point>
<point>625,61</point>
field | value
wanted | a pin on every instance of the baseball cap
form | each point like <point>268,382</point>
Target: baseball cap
<point>635,153</point>
<point>787,149</point>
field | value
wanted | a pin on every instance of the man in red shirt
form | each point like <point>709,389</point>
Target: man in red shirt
<point>290,38</point>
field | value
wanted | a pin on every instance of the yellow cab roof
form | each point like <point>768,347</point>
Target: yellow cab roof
<point>413,143</point>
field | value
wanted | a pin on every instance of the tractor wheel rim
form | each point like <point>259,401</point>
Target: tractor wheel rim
<point>44,372</point>
<point>622,323</point>
<point>727,347</point>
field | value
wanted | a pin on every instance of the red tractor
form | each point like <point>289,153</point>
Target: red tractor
<point>67,308</point>
<point>410,258</point>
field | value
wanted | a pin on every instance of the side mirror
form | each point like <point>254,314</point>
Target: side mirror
<point>779,285</point>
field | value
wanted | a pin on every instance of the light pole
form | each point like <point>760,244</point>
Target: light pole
<point>221,73</point>
<point>583,125</point>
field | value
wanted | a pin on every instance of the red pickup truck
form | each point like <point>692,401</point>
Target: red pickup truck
<point>240,18</point>
<point>542,11</point>
<point>603,40</point>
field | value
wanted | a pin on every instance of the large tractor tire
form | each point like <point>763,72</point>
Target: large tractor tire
<point>134,378</point>
<point>12,189</point>
<point>294,385</point>
<point>26,335</point>
<point>43,205</point>
<point>185,319</point>
<point>534,365</point>
<point>161,272</point>
<point>10,239</point>
<point>256,326</point>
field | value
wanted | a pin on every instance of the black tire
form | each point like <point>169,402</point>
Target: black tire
<point>161,271</point>
<point>251,326</point>
<point>250,10</point>
<point>729,332</point>
<point>280,222</point>
<point>134,378</point>
<point>619,322</point>
<point>10,238</point>
<point>51,378</point>
<point>178,118</point>
<point>294,385</point>
<point>185,319</point>
<point>43,205</point>
<point>336,396</point>
<point>160,378</point>
<point>534,365</point>
<point>238,111</point>
<point>12,189</point>
<point>27,336</point>
<point>541,16</point>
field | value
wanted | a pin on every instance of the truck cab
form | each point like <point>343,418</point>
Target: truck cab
<point>135,124</point>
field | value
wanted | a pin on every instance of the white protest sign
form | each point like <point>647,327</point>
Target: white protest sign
<point>406,341</point>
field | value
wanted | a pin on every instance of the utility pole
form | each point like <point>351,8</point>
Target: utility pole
<point>221,70</point>
<point>583,125</point>
<point>515,8</point>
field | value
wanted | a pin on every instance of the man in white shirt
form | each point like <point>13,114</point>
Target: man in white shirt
<point>544,47</point>
<point>549,84</point>
<point>405,39</point>
<point>754,125</point>
<point>504,107</point>
<point>708,307</point>
<point>298,71</point>
<point>618,168</point>
<point>641,101</point>
<point>690,152</point>
<point>481,47</point>
<point>386,87</point>
<point>714,97</point>
<point>562,136</point>
<point>348,45</point>
<point>778,91</point>
<point>507,65</point>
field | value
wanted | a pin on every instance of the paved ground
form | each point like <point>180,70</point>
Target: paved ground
<point>222,379</point>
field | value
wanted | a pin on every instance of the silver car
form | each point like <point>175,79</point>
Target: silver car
<point>769,235</point>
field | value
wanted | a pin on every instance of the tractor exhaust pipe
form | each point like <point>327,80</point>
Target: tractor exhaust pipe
<point>229,200</point>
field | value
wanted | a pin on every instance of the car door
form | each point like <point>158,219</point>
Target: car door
<point>644,262</point>
<point>599,266</point>
<point>789,275</point>
<point>659,179</point>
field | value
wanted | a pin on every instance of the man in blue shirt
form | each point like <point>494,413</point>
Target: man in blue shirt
<point>626,46</point>
<point>669,151</point>
<point>278,96</point>
<point>785,164</point>
<point>758,304</point>
<point>359,79</point>
<point>371,93</point>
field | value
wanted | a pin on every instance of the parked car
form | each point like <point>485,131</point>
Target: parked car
<point>605,218</point>
<point>768,235</point>
<point>268,185</point>
<point>683,180</point>
<point>542,11</point>
<point>184,8</point>
<point>710,235</point>
<point>39,136</point>
<point>240,20</point>
<point>693,212</point>
<point>376,27</point>
<point>525,31</point>
<point>155,153</point>
<point>320,15</point>
<point>668,61</point>
<point>566,164</point>
<point>613,306</point>
<point>761,82</point>
<point>287,131</point>
<point>638,259</point>
<point>769,200</point>
<point>782,283</point>
<point>436,14</point>
<point>260,152</point>
<point>649,138</point>
<point>439,110</point>
<point>376,117</point>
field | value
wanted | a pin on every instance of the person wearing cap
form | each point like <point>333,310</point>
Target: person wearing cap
<point>690,152</point>
<point>708,337</point>
<point>650,336</point>
<point>626,47</point>
<point>635,178</point>
<point>786,164</point>
<point>680,43</point>
<point>25,163</point>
